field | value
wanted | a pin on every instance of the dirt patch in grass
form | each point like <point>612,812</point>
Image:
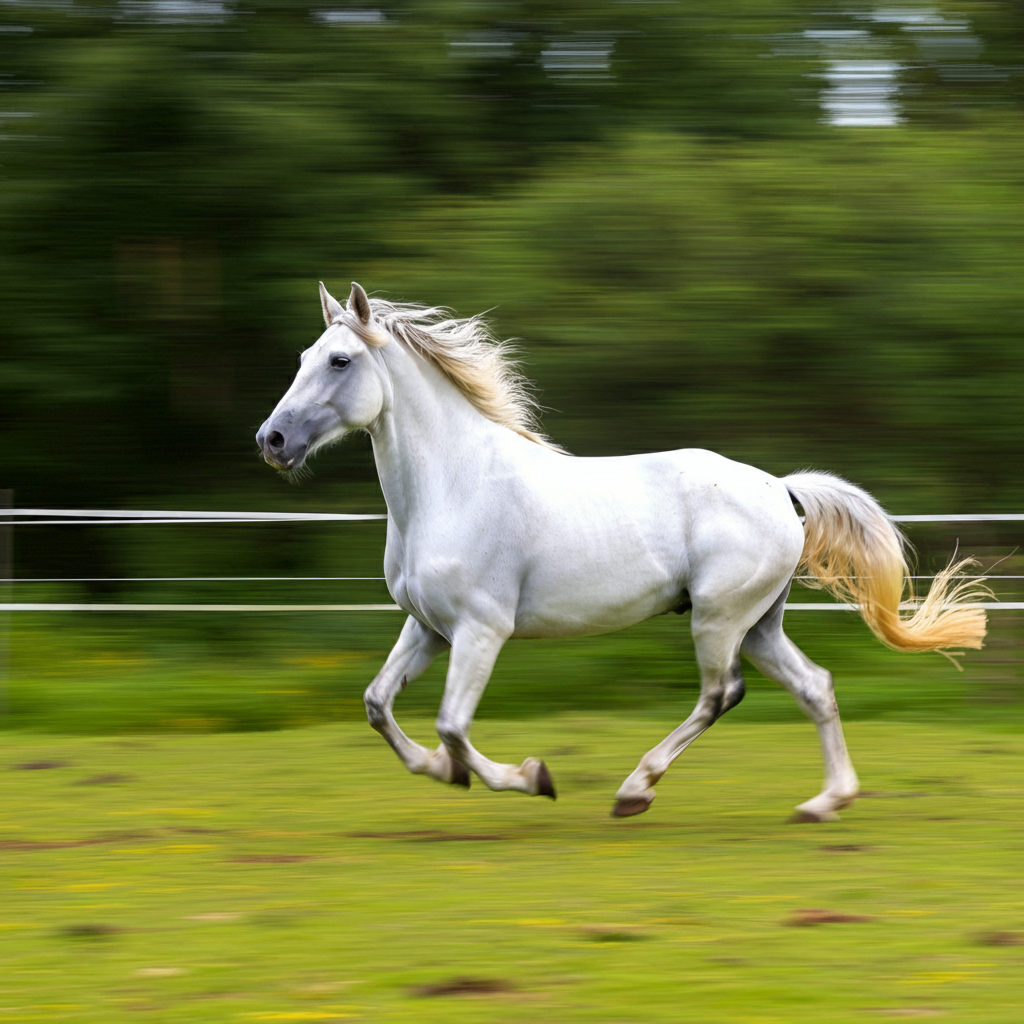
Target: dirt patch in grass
<point>107,837</point>
<point>465,987</point>
<point>270,858</point>
<point>64,844</point>
<point>1000,938</point>
<point>431,836</point>
<point>89,931</point>
<point>806,918</point>
<point>597,933</point>
<point>27,844</point>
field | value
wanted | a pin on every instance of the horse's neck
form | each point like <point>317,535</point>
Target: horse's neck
<point>431,443</point>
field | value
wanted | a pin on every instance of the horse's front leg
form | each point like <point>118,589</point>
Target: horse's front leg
<point>474,652</point>
<point>416,649</point>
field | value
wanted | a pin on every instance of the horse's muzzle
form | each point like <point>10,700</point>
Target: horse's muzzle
<point>277,451</point>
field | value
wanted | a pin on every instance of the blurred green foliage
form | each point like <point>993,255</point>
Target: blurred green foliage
<point>852,304</point>
<point>647,193</point>
<point>138,673</point>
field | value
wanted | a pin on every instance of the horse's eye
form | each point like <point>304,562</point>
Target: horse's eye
<point>339,362</point>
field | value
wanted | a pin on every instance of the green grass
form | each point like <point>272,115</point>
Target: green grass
<point>129,673</point>
<point>302,875</point>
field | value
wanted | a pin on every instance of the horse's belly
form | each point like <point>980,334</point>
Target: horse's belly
<point>584,603</point>
<point>549,623</point>
<point>597,563</point>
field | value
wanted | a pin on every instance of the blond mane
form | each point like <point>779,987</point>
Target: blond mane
<point>482,367</point>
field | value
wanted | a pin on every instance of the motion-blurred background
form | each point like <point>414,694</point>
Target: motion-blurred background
<point>788,231</point>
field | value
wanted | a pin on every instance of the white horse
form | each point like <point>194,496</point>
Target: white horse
<point>495,533</point>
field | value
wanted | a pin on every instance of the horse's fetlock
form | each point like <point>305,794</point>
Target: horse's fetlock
<point>651,770</point>
<point>843,796</point>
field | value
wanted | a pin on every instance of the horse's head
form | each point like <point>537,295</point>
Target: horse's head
<point>339,386</point>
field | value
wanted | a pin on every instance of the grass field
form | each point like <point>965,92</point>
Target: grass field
<point>130,673</point>
<point>301,875</point>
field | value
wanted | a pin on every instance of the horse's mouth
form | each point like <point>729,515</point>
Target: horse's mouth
<point>279,461</point>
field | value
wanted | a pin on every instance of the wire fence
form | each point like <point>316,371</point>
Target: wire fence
<point>20,517</point>
<point>120,517</point>
<point>57,516</point>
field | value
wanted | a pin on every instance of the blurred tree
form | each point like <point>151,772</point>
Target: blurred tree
<point>852,306</point>
<point>174,170</point>
<point>176,176</point>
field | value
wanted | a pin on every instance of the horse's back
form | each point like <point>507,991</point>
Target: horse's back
<point>686,496</point>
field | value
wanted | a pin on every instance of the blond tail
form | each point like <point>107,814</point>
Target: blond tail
<point>853,549</point>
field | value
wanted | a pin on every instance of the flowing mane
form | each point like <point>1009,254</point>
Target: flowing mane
<point>481,366</point>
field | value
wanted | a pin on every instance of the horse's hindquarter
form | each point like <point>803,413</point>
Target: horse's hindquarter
<point>744,539</point>
<point>618,540</point>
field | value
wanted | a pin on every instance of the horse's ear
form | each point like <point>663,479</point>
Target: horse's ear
<point>332,307</point>
<point>359,303</point>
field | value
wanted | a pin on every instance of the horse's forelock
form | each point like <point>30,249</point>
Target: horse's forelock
<point>370,333</point>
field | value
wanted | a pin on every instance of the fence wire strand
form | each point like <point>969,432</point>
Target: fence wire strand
<point>119,517</point>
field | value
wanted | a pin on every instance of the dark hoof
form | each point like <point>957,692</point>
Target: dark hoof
<point>545,785</point>
<point>627,808</point>
<point>460,774</point>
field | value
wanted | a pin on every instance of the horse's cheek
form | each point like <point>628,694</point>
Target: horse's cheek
<point>359,406</point>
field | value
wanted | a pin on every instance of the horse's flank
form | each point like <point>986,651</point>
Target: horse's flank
<point>483,368</point>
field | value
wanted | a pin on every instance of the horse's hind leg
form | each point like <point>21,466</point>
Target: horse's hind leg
<point>774,654</point>
<point>475,649</point>
<point>717,645</point>
<point>416,649</point>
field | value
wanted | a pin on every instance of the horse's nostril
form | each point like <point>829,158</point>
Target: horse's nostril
<point>276,440</point>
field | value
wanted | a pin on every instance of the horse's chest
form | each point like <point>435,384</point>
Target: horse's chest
<point>440,587</point>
